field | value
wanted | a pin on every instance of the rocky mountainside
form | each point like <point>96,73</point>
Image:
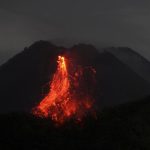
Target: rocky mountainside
<point>23,77</point>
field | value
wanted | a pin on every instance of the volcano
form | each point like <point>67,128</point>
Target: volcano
<point>25,75</point>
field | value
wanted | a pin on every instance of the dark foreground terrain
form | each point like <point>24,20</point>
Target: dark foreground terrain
<point>125,127</point>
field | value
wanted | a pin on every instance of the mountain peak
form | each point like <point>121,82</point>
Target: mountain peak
<point>41,44</point>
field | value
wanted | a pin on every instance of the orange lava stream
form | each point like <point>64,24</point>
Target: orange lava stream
<point>61,103</point>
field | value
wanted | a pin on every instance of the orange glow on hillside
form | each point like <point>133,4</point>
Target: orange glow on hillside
<point>66,99</point>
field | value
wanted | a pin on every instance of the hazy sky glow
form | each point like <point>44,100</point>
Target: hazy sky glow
<point>99,22</point>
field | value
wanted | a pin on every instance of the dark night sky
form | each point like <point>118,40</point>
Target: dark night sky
<point>100,22</point>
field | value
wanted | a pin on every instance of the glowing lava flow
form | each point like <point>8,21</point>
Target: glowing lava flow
<point>64,101</point>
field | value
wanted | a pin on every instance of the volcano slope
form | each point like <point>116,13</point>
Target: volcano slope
<point>24,76</point>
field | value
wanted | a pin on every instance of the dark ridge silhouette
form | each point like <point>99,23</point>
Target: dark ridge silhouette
<point>134,60</point>
<point>24,76</point>
<point>123,127</point>
<point>117,82</point>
